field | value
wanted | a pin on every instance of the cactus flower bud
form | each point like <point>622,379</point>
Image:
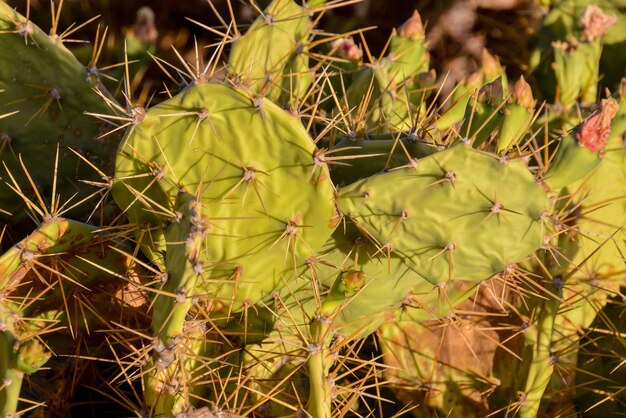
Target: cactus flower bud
<point>595,22</point>
<point>413,28</point>
<point>594,132</point>
<point>523,94</point>
<point>491,66</point>
<point>145,28</point>
<point>577,155</point>
<point>346,48</point>
<point>474,80</point>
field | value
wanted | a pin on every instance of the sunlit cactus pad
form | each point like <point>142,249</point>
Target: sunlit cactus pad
<point>267,201</point>
<point>457,215</point>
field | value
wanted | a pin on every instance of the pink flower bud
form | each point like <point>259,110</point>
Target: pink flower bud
<point>594,132</point>
<point>596,22</point>
<point>347,49</point>
<point>412,28</point>
<point>145,28</point>
<point>523,94</point>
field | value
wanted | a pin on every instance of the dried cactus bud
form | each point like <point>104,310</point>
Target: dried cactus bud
<point>346,48</point>
<point>594,132</point>
<point>523,94</point>
<point>412,28</point>
<point>145,27</point>
<point>491,93</point>
<point>595,22</point>
<point>31,356</point>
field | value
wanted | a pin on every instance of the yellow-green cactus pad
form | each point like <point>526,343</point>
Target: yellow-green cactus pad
<point>459,214</point>
<point>266,196</point>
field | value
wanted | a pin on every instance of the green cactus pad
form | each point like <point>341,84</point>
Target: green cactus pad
<point>571,163</point>
<point>80,256</point>
<point>177,336</point>
<point>405,292</point>
<point>268,201</point>
<point>271,58</point>
<point>184,240</point>
<point>50,91</point>
<point>57,236</point>
<point>459,215</point>
<point>600,227</point>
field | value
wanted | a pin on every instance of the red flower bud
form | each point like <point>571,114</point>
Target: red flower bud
<point>594,132</point>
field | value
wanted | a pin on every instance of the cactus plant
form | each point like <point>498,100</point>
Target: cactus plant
<point>286,213</point>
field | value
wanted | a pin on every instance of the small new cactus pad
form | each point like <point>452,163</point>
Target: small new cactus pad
<point>387,92</point>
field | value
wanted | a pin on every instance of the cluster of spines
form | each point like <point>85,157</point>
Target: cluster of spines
<point>507,117</point>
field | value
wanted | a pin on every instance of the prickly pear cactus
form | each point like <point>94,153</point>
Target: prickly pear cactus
<point>313,225</point>
<point>45,93</point>
<point>264,202</point>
